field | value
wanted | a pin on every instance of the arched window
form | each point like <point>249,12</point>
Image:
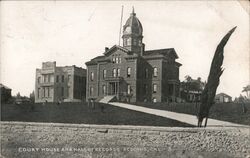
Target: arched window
<point>104,89</point>
<point>116,59</point>
<point>118,72</point>
<point>146,73</point>
<point>129,41</point>
<point>91,91</point>
<point>104,73</point>
<point>128,72</point>
<point>114,72</point>
<point>113,59</point>
<point>92,76</point>
<point>129,89</point>
<point>155,71</point>
<point>154,88</point>
<point>120,59</point>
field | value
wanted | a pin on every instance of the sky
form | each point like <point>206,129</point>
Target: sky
<point>73,32</point>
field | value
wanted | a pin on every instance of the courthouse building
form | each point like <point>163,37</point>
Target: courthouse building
<point>54,84</point>
<point>132,73</point>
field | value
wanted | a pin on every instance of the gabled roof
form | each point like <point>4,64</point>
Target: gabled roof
<point>165,52</point>
<point>95,60</point>
<point>223,94</point>
<point>3,86</point>
<point>115,47</point>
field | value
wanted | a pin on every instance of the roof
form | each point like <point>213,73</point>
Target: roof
<point>134,24</point>
<point>223,94</point>
<point>165,52</point>
<point>114,48</point>
<point>94,60</point>
<point>3,86</point>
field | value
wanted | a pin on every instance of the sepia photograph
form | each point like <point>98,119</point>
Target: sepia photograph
<point>125,79</point>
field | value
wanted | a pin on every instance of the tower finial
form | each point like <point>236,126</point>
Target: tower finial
<point>133,11</point>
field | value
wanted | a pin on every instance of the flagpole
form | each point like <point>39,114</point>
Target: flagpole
<point>120,27</point>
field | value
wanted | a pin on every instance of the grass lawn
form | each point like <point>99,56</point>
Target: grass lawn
<point>231,112</point>
<point>81,113</point>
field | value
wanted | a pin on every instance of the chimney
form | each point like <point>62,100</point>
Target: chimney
<point>106,49</point>
<point>142,49</point>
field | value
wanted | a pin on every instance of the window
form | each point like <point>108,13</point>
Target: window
<point>48,77</point>
<point>145,90</point>
<point>69,78</point>
<point>39,79</point>
<point>62,78</point>
<point>154,88</point>
<point>38,93</point>
<point>129,89</point>
<point>155,71</point>
<point>125,42</point>
<point>139,41</point>
<point>118,72</point>
<point>44,79</point>
<point>104,73</point>
<point>104,89</point>
<point>114,72</point>
<point>128,41</point>
<point>120,59</point>
<point>48,92</point>
<point>43,91</point>
<point>113,59</point>
<point>146,73</point>
<point>57,78</point>
<point>128,72</point>
<point>92,76</point>
<point>51,78</point>
<point>117,60</point>
<point>62,91</point>
<point>135,42</point>
<point>91,91</point>
<point>154,100</point>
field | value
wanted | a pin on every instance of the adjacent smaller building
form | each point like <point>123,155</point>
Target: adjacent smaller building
<point>57,84</point>
<point>223,98</point>
<point>191,89</point>
<point>5,93</point>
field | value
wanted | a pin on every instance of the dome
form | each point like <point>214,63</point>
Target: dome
<point>132,25</point>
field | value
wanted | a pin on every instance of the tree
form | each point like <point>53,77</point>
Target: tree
<point>190,84</point>
<point>18,95</point>
<point>32,96</point>
<point>208,94</point>
<point>247,90</point>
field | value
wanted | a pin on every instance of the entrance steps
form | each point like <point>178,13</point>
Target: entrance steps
<point>107,99</point>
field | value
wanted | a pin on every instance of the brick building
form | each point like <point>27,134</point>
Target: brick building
<point>131,73</point>
<point>55,84</point>
<point>5,93</point>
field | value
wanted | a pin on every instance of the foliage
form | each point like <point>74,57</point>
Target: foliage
<point>208,94</point>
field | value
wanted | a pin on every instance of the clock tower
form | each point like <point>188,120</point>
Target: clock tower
<point>132,34</point>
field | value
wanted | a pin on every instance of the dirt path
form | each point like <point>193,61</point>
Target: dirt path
<point>186,118</point>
